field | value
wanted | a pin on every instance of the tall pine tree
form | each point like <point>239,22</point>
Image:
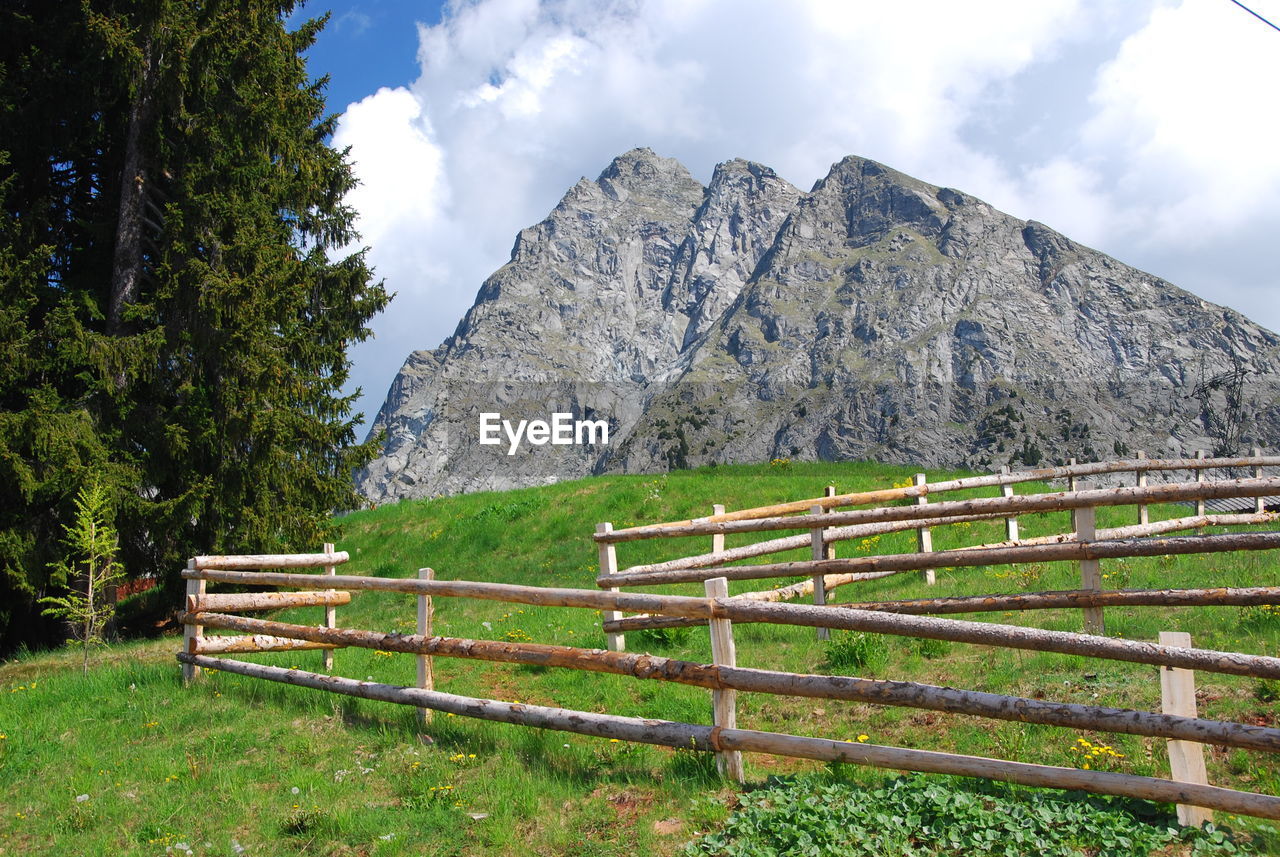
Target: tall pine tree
<point>172,317</point>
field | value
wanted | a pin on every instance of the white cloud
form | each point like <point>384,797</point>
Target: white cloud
<point>518,98</point>
<point>1188,109</point>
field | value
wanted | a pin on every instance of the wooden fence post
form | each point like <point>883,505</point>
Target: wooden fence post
<point>1200,478</point>
<point>724,702</point>
<point>1186,758</point>
<point>819,551</point>
<point>330,613</point>
<point>609,565</point>
<point>191,634</point>
<point>1143,517</point>
<point>1071,480</point>
<point>924,535</point>
<point>1086,528</point>
<point>1010,524</point>
<point>426,613</point>
<point>1259,503</point>
<point>717,539</point>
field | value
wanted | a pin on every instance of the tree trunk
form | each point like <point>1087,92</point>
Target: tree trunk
<point>126,265</point>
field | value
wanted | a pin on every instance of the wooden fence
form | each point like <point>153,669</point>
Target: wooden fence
<point>724,678</point>
<point>1085,544</point>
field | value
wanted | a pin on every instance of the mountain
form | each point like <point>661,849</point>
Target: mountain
<point>876,316</point>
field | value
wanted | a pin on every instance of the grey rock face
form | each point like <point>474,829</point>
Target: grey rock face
<point>598,302</point>
<point>876,316</point>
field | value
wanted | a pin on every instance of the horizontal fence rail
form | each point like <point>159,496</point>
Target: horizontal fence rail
<point>256,561</point>
<point>244,601</point>
<point>714,738</point>
<point>1251,596</point>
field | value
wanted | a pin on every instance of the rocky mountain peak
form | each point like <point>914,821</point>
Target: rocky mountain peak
<point>875,316</point>
<point>644,173</point>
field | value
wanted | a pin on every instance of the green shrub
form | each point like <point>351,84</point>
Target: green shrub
<point>1260,616</point>
<point>930,649</point>
<point>663,638</point>
<point>949,817</point>
<point>855,650</point>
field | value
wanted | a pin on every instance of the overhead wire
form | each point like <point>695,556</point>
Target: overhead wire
<point>1256,15</point>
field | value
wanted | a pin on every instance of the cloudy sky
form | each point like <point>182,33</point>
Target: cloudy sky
<point>1148,129</point>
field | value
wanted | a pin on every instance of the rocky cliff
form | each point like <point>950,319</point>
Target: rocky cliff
<point>874,317</point>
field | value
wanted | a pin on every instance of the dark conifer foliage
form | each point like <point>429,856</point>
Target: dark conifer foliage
<point>175,308</point>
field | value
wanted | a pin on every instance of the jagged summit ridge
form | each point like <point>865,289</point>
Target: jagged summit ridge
<point>875,316</point>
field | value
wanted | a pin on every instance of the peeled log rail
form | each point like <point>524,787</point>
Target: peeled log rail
<point>963,557</point>
<point>1043,474</point>
<point>1069,598</point>
<point>1171,525</point>
<point>829,536</point>
<point>834,581</point>
<point>1022,503</point>
<point>805,587</point>
<point>255,643</point>
<point>239,601</point>
<point>251,562</point>
<point>645,621</point>
<point>982,633</point>
<point>874,691</point>
<point>687,735</point>
<point>1074,598</point>
<point>836,534</point>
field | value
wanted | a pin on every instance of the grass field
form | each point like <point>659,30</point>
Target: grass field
<point>127,761</point>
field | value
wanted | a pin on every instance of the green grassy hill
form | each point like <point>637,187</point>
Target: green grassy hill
<point>127,761</point>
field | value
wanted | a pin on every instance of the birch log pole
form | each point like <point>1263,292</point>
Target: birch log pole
<point>724,702</point>
<point>1010,523</point>
<point>924,535</point>
<point>330,612</point>
<point>1090,569</point>
<point>717,539</point>
<point>1259,503</point>
<point>1186,758</point>
<point>614,642</point>
<point>191,634</point>
<point>1143,516</point>
<point>818,552</point>
<point>1200,477</point>
<point>426,613</point>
